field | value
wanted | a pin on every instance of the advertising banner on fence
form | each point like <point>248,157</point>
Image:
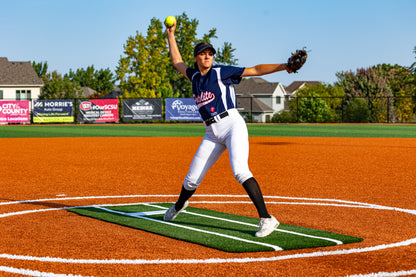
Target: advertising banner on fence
<point>142,109</point>
<point>98,110</point>
<point>47,111</point>
<point>182,109</point>
<point>14,111</point>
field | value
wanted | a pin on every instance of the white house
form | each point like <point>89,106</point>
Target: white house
<point>18,81</point>
<point>261,97</point>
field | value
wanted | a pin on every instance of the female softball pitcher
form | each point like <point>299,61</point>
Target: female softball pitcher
<point>215,98</point>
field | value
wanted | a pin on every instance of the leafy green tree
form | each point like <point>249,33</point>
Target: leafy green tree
<point>145,69</point>
<point>101,80</point>
<point>371,84</point>
<point>226,55</point>
<point>317,103</point>
<point>284,117</point>
<point>41,69</point>
<point>401,81</point>
<point>310,107</point>
<point>356,111</point>
<point>413,66</point>
<point>57,87</point>
<point>404,106</point>
<point>388,90</point>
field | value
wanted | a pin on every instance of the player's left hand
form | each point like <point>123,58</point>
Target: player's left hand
<point>296,61</point>
<point>172,28</point>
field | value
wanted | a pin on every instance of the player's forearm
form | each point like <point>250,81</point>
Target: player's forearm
<point>263,69</point>
<point>175,55</point>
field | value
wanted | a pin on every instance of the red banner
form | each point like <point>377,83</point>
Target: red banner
<point>98,110</point>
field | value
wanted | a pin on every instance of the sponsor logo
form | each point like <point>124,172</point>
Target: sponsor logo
<point>180,106</point>
<point>13,109</point>
<point>142,106</point>
<point>53,104</point>
<point>107,107</point>
<point>58,104</point>
<point>204,98</point>
<point>85,106</point>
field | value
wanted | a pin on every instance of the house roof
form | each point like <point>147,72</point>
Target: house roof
<point>255,86</point>
<point>247,102</point>
<point>114,94</point>
<point>87,91</point>
<point>18,73</point>
<point>290,89</point>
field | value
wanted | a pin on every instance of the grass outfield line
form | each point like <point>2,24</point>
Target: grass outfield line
<point>222,231</point>
<point>198,130</point>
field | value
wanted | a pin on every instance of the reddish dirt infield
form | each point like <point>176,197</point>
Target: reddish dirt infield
<point>40,236</point>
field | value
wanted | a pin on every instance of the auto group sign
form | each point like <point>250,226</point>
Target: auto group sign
<point>14,112</point>
<point>46,111</point>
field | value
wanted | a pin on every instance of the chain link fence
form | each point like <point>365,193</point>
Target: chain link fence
<point>315,109</point>
<point>330,110</point>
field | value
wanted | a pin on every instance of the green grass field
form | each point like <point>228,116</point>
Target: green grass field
<point>222,231</point>
<point>198,130</point>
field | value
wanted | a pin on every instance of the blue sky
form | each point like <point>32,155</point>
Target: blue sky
<point>342,35</point>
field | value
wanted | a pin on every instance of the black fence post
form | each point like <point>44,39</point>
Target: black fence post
<point>251,109</point>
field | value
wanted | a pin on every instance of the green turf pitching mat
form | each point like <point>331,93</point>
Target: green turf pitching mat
<point>226,232</point>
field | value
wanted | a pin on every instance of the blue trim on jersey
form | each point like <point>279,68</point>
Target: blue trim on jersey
<point>214,92</point>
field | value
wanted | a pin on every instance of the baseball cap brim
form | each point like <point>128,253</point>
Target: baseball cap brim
<point>202,47</point>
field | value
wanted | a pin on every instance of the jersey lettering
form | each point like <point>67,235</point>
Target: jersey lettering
<point>204,98</point>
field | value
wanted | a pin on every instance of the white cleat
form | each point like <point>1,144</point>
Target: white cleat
<point>267,226</point>
<point>171,214</point>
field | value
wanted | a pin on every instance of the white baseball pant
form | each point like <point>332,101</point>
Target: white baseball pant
<point>227,133</point>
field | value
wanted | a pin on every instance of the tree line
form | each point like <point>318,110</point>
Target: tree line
<point>144,71</point>
<point>378,94</point>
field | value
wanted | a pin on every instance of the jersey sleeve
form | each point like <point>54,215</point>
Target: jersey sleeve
<point>190,72</point>
<point>231,74</point>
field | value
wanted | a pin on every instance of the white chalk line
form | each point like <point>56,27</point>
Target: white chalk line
<point>171,195</point>
<point>386,274</point>
<point>213,260</point>
<point>28,272</point>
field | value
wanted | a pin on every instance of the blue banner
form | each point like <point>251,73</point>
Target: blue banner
<point>47,111</point>
<point>183,109</point>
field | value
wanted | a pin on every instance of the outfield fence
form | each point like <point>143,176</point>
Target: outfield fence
<point>253,109</point>
<point>330,109</point>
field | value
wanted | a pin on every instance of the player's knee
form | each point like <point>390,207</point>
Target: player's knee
<point>241,177</point>
<point>190,185</point>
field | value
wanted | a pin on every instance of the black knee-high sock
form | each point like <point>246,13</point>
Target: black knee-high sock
<point>185,195</point>
<point>253,190</point>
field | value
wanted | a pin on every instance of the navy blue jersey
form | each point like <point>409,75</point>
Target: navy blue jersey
<point>214,92</point>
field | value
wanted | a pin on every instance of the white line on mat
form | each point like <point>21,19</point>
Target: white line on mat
<point>276,248</point>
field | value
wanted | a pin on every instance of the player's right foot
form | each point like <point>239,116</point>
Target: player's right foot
<point>267,226</point>
<point>172,213</point>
